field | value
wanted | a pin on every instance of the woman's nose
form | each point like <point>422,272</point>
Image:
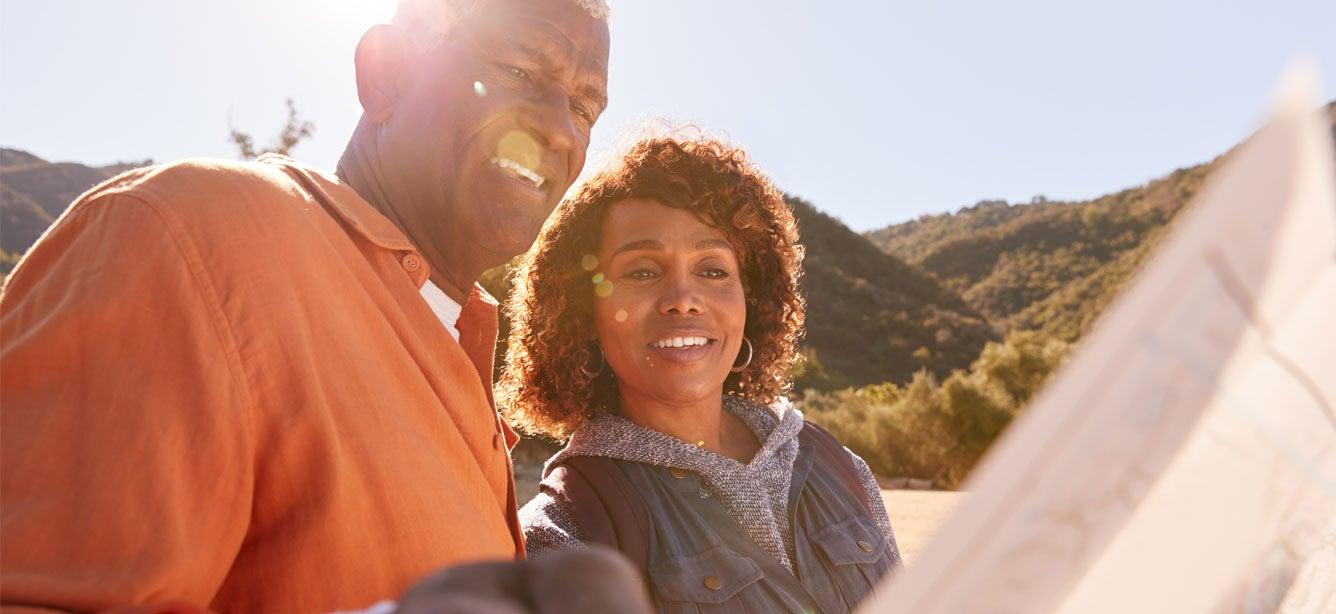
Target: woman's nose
<point>679,297</point>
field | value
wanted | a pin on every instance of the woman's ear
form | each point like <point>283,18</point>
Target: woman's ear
<point>382,60</point>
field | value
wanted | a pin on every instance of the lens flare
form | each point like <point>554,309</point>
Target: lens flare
<point>521,148</point>
<point>589,262</point>
<point>620,316</point>
<point>479,89</point>
<point>603,289</point>
<point>598,278</point>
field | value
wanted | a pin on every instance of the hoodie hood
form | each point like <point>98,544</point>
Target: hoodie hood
<point>776,426</point>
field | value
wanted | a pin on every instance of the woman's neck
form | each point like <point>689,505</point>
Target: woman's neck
<point>702,423</point>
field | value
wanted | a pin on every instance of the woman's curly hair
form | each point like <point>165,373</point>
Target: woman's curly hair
<point>544,389</point>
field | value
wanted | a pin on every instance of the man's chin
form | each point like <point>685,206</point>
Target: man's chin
<point>512,239</point>
<point>505,224</point>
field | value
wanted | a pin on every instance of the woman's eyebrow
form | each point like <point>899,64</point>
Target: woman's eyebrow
<point>639,245</point>
<point>656,246</point>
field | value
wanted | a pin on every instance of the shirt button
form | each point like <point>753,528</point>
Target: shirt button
<point>678,472</point>
<point>496,441</point>
<point>865,546</point>
<point>713,583</point>
<point>412,263</point>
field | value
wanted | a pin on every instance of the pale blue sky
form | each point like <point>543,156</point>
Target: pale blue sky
<point>875,111</point>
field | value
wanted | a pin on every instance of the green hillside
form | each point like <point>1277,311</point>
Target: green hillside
<point>22,220</point>
<point>873,318</point>
<point>1020,265</point>
<point>1046,266</point>
<point>1042,273</point>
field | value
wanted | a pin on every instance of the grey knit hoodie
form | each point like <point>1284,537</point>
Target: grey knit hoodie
<point>755,494</point>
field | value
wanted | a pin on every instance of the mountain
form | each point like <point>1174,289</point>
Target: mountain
<point>22,220</point>
<point>1016,264</point>
<point>1047,266</point>
<point>34,192</point>
<point>873,318</point>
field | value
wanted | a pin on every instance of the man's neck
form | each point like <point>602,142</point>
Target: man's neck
<point>454,274</point>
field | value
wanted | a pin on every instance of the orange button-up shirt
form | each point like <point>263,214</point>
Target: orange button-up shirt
<point>219,384</point>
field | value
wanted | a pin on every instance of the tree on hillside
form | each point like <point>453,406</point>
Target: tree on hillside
<point>295,130</point>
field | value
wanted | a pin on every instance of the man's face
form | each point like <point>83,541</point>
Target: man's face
<point>494,125</point>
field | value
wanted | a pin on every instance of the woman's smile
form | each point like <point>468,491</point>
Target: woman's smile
<point>682,348</point>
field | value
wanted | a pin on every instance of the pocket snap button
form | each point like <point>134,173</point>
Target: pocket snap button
<point>679,473</point>
<point>713,583</point>
<point>865,545</point>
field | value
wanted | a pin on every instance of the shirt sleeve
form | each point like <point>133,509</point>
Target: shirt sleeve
<point>125,432</point>
<point>549,525</point>
<point>878,505</point>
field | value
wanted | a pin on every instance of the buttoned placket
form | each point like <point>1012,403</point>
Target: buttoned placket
<point>416,268</point>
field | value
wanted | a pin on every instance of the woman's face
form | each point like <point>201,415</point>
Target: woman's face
<point>670,311</point>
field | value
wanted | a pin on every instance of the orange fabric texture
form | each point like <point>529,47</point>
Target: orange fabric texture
<point>219,385</point>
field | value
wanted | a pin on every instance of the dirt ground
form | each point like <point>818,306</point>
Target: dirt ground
<point>916,515</point>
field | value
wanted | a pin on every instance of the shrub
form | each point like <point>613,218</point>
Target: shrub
<point>938,431</point>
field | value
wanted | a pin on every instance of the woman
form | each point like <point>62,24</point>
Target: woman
<point>655,321</point>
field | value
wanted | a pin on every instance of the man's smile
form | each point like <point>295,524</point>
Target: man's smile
<point>520,171</point>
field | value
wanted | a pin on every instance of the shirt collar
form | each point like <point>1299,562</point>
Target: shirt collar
<point>362,217</point>
<point>346,203</point>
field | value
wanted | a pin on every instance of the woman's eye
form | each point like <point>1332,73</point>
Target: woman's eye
<point>714,273</point>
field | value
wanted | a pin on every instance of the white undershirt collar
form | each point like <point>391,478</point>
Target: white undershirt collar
<point>445,308</point>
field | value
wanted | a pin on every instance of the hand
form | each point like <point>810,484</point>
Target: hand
<point>593,580</point>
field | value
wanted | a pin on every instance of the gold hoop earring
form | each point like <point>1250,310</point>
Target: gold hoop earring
<point>602,365</point>
<point>739,368</point>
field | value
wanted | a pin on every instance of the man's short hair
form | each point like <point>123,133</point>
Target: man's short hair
<point>428,21</point>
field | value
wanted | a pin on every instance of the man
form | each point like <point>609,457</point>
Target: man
<point>261,387</point>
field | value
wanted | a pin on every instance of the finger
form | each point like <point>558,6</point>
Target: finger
<point>485,588</point>
<point>596,580</point>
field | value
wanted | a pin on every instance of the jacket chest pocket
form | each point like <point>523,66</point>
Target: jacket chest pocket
<point>856,557</point>
<point>713,576</point>
<point>851,541</point>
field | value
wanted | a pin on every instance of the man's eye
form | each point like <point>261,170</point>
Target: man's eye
<point>641,274</point>
<point>582,113</point>
<point>519,73</point>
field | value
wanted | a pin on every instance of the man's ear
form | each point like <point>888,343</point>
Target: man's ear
<point>382,60</point>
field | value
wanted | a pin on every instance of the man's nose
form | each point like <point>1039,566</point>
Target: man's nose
<point>548,119</point>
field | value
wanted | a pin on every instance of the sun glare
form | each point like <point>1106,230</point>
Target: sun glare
<point>364,12</point>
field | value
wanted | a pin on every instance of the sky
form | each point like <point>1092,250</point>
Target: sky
<point>876,112</point>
